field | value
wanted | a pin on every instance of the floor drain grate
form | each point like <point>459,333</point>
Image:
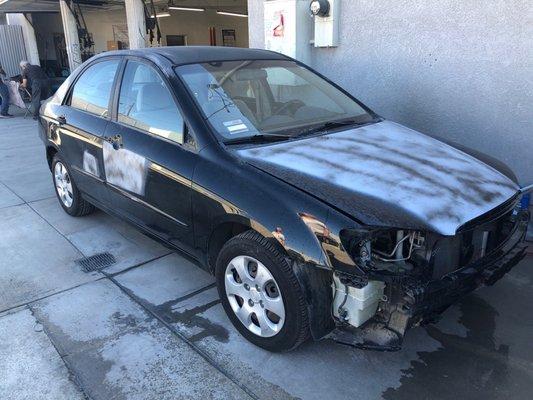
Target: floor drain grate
<point>96,262</point>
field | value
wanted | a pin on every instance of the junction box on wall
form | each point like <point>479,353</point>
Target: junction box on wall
<point>289,26</point>
<point>327,15</point>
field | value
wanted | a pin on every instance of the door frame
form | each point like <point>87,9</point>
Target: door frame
<point>153,165</point>
<point>115,94</point>
<point>68,95</point>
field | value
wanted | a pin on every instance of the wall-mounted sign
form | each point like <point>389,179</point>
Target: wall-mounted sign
<point>229,37</point>
<point>288,27</point>
<point>276,14</point>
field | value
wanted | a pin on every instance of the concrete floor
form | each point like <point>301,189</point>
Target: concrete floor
<point>151,326</point>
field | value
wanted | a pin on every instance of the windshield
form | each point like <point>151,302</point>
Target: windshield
<point>246,99</point>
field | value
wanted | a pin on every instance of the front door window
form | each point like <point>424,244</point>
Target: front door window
<point>146,103</point>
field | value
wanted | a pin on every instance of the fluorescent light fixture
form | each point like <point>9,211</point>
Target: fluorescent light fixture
<point>232,14</point>
<point>185,8</point>
<point>160,15</point>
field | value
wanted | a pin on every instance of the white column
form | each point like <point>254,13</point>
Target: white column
<point>72,40</point>
<point>136,23</point>
<point>30,43</point>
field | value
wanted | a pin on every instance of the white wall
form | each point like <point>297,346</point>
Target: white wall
<point>100,24</point>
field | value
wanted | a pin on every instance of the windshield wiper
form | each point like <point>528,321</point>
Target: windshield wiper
<point>330,125</point>
<point>261,137</point>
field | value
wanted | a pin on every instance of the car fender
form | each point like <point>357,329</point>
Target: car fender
<point>276,210</point>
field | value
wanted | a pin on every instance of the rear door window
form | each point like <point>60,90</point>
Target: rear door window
<point>92,91</point>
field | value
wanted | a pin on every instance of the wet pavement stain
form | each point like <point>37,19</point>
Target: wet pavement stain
<point>191,318</point>
<point>125,321</point>
<point>471,367</point>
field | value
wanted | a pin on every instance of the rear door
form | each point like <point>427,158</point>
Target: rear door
<point>82,123</point>
<point>148,161</point>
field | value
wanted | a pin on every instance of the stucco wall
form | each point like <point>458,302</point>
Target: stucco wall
<point>458,69</point>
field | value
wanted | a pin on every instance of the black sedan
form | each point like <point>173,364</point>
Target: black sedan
<point>317,217</point>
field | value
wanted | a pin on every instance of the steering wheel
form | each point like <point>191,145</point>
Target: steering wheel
<point>291,103</point>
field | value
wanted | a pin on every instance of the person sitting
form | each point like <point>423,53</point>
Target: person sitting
<point>4,96</point>
<point>34,77</point>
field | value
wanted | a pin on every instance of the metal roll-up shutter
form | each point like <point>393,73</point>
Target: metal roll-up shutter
<point>12,49</point>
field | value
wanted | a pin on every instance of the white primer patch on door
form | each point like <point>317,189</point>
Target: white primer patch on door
<point>125,169</point>
<point>90,165</point>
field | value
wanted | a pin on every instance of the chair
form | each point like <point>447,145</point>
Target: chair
<point>26,98</point>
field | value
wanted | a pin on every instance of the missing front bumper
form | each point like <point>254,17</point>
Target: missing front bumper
<point>421,303</point>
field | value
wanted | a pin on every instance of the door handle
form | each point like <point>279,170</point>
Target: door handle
<point>115,141</point>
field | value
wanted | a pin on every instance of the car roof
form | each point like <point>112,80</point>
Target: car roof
<point>197,54</point>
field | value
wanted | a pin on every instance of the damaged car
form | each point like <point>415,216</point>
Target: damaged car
<point>317,217</point>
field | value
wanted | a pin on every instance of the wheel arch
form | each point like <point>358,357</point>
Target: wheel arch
<point>315,281</point>
<point>51,151</point>
<point>221,233</point>
<point>231,226</point>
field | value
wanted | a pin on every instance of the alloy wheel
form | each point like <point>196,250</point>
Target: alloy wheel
<point>63,184</point>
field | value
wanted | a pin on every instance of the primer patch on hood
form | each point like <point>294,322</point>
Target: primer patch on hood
<point>388,165</point>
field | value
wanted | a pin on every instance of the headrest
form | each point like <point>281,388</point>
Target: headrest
<point>249,74</point>
<point>153,96</point>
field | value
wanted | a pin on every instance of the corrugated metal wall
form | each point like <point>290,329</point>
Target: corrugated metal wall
<point>12,49</point>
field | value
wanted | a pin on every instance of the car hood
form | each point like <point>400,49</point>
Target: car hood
<point>385,174</point>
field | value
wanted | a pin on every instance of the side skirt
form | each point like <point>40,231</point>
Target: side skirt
<point>147,232</point>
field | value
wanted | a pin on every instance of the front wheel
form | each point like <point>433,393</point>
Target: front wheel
<point>261,294</point>
<point>67,193</point>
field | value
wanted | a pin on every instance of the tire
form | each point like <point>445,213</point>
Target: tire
<point>66,190</point>
<point>249,252</point>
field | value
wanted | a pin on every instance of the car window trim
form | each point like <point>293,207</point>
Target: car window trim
<point>116,98</point>
<point>68,96</point>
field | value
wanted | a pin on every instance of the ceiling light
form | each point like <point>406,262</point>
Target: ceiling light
<point>3,1</point>
<point>185,8</point>
<point>161,15</point>
<point>232,14</point>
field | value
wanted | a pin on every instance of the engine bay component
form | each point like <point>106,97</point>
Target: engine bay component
<point>354,305</point>
<point>399,247</point>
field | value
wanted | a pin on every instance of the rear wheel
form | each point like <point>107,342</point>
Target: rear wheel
<point>261,294</point>
<point>67,193</point>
